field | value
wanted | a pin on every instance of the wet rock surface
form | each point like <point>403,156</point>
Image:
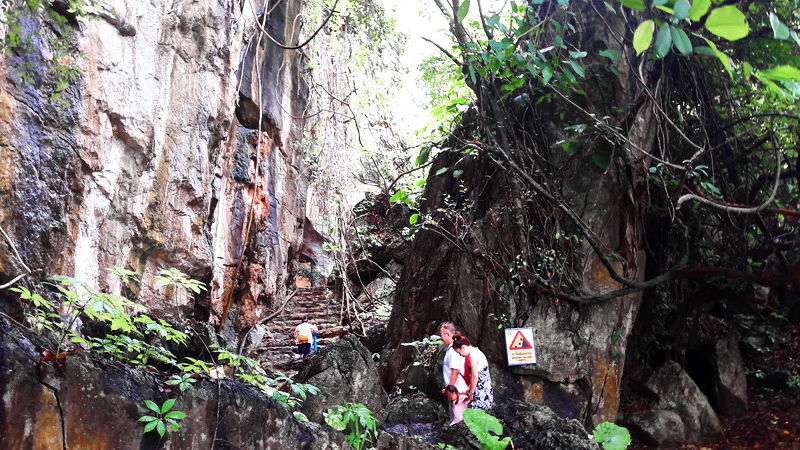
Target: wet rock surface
<point>730,381</point>
<point>658,428</point>
<point>412,410</point>
<point>678,393</point>
<point>344,372</point>
<point>84,401</point>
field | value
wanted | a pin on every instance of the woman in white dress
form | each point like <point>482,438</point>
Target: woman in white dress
<point>480,386</point>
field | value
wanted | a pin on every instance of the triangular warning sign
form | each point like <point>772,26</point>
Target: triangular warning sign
<point>519,342</point>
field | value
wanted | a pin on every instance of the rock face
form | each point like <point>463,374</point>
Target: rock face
<point>153,164</point>
<point>90,403</point>
<point>677,392</point>
<point>659,428</point>
<point>493,254</point>
<point>344,372</point>
<point>730,380</point>
<point>530,427</point>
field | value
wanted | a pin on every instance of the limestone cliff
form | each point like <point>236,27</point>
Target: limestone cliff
<point>156,162</point>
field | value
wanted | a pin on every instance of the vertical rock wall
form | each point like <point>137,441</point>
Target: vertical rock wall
<point>153,164</point>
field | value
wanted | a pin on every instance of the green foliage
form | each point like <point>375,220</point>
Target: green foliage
<point>183,381</point>
<point>163,417</point>
<point>62,52</point>
<point>612,436</point>
<point>486,428</point>
<point>356,418</point>
<point>727,22</point>
<point>174,277</point>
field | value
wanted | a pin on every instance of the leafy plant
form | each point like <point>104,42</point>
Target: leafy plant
<point>793,381</point>
<point>486,428</point>
<point>612,436</point>
<point>163,417</point>
<point>357,418</point>
<point>177,278</point>
<point>183,381</point>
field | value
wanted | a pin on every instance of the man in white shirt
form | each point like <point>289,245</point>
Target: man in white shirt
<point>303,335</point>
<point>453,364</point>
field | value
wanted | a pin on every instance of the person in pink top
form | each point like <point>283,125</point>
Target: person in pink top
<point>458,403</point>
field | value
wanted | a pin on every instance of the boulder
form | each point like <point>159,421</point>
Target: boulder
<point>538,427</point>
<point>677,392</point>
<point>658,428</point>
<point>375,339</point>
<point>344,372</point>
<point>85,401</point>
<point>730,380</point>
<point>388,440</point>
<point>413,409</point>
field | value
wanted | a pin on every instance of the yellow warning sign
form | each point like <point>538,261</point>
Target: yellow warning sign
<point>520,346</point>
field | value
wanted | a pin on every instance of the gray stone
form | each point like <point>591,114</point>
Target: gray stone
<point>730,380</point>
<point>395,441</point>
<point>85,401</point>
<point>344,372</point>
<point>678,393</point>
<point>413,409</point>
<point>658,428</point>
<point>538,427</point>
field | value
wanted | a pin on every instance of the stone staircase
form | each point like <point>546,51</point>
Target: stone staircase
<point>277,349</point>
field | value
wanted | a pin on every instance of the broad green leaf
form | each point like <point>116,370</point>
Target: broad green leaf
<point>457,173</point>
<point>149,427</point>
<point>663,42</point>
<point>161,428</point>
<point>577,55</point>
<point>638,5</point>
<point>463,9</point>
<point>577,68</point>
<point>643,36</point>
<point>547,75</point>
<point>612,436</point>
<point>602,158</point>
<point>441,171</point>
<point>699,9</point>
<point>399,196</point>
<point>152,406</point>
<point>413,219</point>
<point>176,415</point>
<point>147,419</point>
<point>681,41</point>
<point>681,10</point>
<point>610,54</point>
<point>779,30</point>
<point>167,405</point>
<point>513,84</point>
<point>747,70</point>
<point>723,58</point>
<point>570,148</point>
<point>424,153</point>
<point>781,73</point>
<point>666,9</point>
<point>728,23</point>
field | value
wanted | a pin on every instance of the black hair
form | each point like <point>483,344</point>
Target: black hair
<point>451,388</point>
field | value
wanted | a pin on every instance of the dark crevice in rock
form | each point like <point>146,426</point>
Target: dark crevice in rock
<point>248,113</point>
<point>124,27</point>
<point>58,404</point>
